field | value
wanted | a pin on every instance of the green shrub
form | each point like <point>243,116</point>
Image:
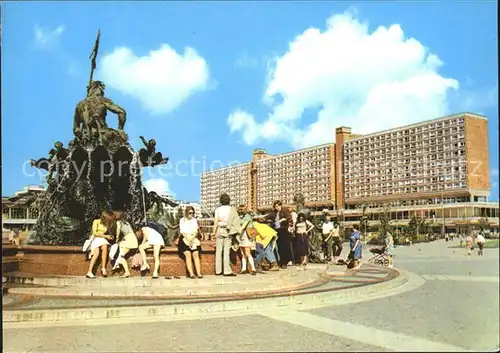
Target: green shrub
<point>422,238</point>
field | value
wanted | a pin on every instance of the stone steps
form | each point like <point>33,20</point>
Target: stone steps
<point>146,287</point>
<point>288,275</point>
<point>110,313</point>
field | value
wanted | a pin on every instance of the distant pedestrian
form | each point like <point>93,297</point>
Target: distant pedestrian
<point>469,244</point>
<point>15,238</point>
<point>389,247</point>
<point>480,240</point>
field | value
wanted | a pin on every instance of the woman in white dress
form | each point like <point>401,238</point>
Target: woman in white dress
<point>101,229</point>
<point>245,242</point>
<point>189,243</point>
<point>127,241</point>
<point>150,239</point>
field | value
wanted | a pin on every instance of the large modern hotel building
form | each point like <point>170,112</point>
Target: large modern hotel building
<point>437,167</point>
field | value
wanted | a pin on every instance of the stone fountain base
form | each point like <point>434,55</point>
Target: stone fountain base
<point>46,260</point>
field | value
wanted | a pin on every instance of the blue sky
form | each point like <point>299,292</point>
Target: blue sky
<point>271,75</point>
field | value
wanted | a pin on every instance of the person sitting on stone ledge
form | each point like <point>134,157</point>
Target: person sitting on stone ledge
<point>189,243</point>
<point>150,239</point>
<point>100,241</point>
<point>126,241</point>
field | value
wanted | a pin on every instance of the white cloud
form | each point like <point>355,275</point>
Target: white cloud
<point>45,38</point>
<point>161,81</point>
<point>158,185</point>
<point>366,80</point>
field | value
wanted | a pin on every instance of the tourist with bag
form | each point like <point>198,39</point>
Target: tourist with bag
<point>101,237</point>
<point>189,243</point>
<point>126,241</point>
<point>245,241</point>
<point>281,219</point>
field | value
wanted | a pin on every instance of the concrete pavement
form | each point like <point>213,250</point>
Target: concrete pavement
<point>450,304</point>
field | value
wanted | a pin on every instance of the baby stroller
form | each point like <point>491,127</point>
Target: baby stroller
<point>380,257</point>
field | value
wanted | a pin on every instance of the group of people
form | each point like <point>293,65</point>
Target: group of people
<point>269,242</point>
<point>472,239</point>
<point>280,238</point>
<point>112,234</point>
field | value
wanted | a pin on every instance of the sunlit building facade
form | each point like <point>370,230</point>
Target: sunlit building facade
<point>233,180</point>
<point>425,167</point>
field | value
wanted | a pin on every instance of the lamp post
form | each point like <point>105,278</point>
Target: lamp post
<point>363,219</point>
<point>441,179</point>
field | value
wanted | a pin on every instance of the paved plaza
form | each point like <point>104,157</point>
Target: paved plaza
<point>450,303</point>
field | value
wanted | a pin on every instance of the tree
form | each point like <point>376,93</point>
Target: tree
<point>299,200</point>
<point>178,215</point>
<point>484,223</point>
<point>424,226</point>
<point>413,228</point>
<point>364,222</point>
<point>385,220</point>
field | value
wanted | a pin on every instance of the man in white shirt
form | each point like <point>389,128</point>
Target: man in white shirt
<point>225,220</point>
<point>327,233</point>
<point>480,242</point>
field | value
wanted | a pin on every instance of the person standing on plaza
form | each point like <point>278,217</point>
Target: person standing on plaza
<point>303,229</point>
<point>245,241</point>
<point>389,247</point>
<point>281,219</point>
<point>469,244</point>
<point>337,241</point>
<point>126,240</point>
<point>356,247</point>
<point>150,239</point>
<point>327,232</point>
<point>101,237</point>
<point>480,241</point>
<point>226,225</point>
<point>189,242</point>
<point>291,231</point>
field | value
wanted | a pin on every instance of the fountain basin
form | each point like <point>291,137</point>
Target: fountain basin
<point>71,261</point>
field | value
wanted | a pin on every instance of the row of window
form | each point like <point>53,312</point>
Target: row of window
<point>411,131</point>
<point>405,190</point>
<point>437,138</point>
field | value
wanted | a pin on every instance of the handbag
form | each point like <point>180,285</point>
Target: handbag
<point>252,232</point>
<point>113,251</point>
<point>136,260</point>
<point>88,242</point>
